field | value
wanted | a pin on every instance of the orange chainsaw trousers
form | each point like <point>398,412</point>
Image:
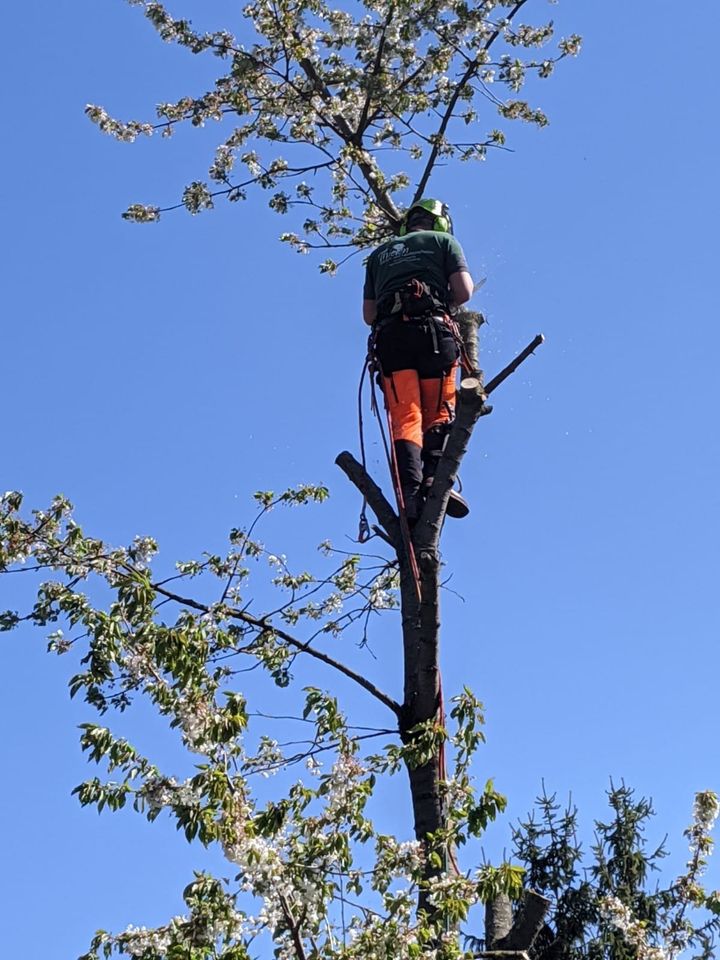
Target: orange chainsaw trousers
<point>417,404</point>
<point>419,365</point>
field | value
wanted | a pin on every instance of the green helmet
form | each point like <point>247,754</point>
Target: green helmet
<point>437,209</point>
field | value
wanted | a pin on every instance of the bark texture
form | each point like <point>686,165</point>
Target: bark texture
<point>528,922</point>
<point>498,919</point>
<point>469,323</point>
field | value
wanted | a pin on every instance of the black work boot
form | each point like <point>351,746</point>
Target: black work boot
<point>433,445</point>
<point>457,505</point>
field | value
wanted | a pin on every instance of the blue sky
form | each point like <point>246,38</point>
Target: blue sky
<point>159,375</point>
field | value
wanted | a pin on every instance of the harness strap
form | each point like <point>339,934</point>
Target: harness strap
<point>440,394</point>
<point>413,301</point>
<point>394,388</point>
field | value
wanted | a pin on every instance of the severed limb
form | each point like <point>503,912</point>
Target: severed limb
<point>357,474</point>
<point>514,364</point>
<point>471,406</point>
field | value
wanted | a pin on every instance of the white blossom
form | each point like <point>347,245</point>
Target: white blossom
<point>195,720</point>
<point>341,783</point>
<point>137,941</point>
<point>621,917</point>
<point>142,213</point>
<point>197,197</point>
<point>126,132</point>
<point>705,811</point>
<point>159,792</point>
<point>143,549</point>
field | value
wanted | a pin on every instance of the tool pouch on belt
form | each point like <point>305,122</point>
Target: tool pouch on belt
<point>414,301</point>
<point>417,300</point>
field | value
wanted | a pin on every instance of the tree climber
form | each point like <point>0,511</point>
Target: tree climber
<point>412,285</point>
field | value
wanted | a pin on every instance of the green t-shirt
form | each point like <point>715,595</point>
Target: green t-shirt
<point>425,254</point>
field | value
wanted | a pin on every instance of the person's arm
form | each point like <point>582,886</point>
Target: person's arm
<point>460,283</point>
<point>461,287</point>
<point>369,311</point>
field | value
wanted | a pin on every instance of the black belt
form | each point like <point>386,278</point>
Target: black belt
<point>387,319</point>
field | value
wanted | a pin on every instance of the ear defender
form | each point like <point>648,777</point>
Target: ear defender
<point>439,211</point>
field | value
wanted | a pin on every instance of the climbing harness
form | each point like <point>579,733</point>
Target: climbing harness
<point>415,300</point>
<point>414,303</point>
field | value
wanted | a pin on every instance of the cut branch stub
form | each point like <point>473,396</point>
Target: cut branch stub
<point>498,919</point>
<point>528,922</point>
<point>507,935</point>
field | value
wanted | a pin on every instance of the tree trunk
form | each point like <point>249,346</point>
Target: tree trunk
<point>421,632</point>
<point>420,617</point>
<point>498,920</point>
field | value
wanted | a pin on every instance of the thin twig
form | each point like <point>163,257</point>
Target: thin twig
<point>297,939</point>
<point>262,624</point>
<point>449,112</point>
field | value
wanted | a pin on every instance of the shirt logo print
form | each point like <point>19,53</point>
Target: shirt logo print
<point>393,252</point>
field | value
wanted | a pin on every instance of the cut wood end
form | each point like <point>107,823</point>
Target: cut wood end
<point>471,385</point>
